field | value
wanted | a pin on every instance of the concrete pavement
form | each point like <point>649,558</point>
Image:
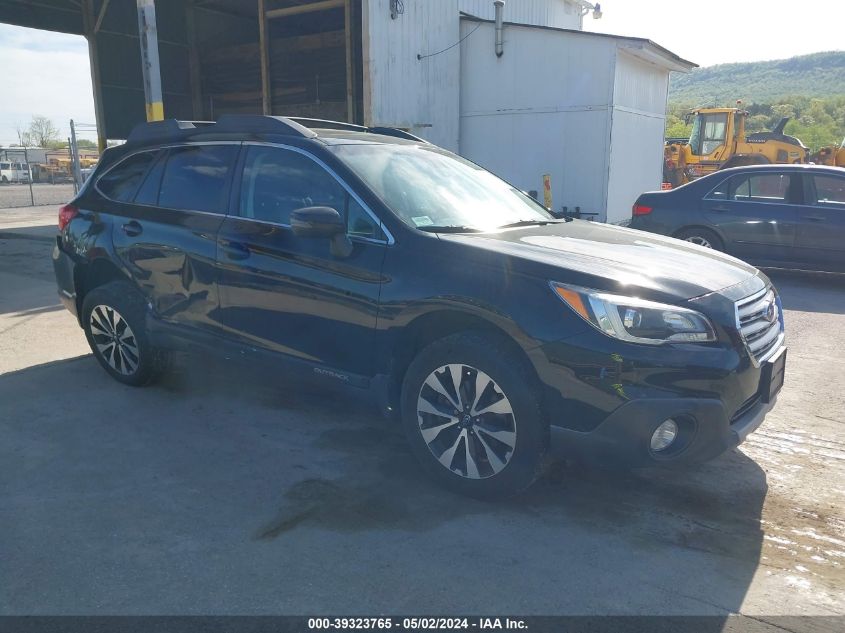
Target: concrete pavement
<point>230,491</point>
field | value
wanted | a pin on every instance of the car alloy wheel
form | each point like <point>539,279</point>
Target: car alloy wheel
<point>467,421</point>
<point>114,339</point>
<point>700,240</point>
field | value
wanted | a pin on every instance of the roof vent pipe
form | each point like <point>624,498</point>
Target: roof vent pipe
<point>499,6</point>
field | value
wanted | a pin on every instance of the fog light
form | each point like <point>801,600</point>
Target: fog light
<point>664,435</point>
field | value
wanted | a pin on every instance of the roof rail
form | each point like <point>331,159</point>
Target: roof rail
<point>352,127</point>
<point>159,130</point>
<point>262,124</point>
<point>171,129</point>
<point>396,132</point>
<point>328,125</point>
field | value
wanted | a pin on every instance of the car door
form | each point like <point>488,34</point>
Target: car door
<point>821,233</point>
<point>167,231</point>
<point>757,214</point>
<point>291,294</point>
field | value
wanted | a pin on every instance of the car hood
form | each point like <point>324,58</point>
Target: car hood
<point>622,256</point>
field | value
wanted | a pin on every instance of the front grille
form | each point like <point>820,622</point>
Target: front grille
<point>760,323</point>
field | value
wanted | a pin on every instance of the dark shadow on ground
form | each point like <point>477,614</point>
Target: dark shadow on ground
<point>810,292</point>
<point>27,281</point>
<point>226,489</point>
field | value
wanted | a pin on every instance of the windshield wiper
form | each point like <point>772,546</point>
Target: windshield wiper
<point>531,223</point>
<point>448,228</point>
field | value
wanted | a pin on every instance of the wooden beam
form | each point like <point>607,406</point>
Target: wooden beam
<point>100,17</point>
<point>305,8</point>
<point>367,98</point>
<point>250,51</point>
<point>350,63</point>
<point>193,61</point>
<point>96,81</point>
<point>264,52</point>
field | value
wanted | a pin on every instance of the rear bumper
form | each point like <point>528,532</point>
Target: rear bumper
<point>63,266</point>
<point>706,431</point>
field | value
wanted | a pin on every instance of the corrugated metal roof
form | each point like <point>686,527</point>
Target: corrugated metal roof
<point>669,56</point>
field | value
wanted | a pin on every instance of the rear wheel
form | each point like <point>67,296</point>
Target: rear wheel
<point>702,237</point>
<point>472,416</point>
<point>113,317</point>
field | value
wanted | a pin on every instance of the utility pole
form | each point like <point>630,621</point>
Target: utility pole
<point>74,159</point>
<point>150,66</point>
<point>28,171</point>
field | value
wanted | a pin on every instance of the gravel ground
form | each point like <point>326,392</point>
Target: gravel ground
<point>227,490</point>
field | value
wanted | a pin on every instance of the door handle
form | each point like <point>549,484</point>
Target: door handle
<point>815,218</point>
<point>236,250</point>
<point>721,208</point>
<point>132,228</point>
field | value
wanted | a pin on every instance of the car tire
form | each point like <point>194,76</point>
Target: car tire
<point>113,317</point>
<point>702,237</point>
<point>497,453</point>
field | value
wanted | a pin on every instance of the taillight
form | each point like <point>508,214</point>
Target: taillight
<point>66,214</point>
<point>641,209</point>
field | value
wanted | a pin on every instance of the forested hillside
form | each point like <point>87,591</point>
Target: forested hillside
<point>816,75</point>
<point>810,89</point>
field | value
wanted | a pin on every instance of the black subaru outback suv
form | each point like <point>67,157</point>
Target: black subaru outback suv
<point>496,331</point>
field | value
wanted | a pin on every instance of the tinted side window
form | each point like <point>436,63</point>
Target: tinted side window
<point>148,193</point>
<point>276,181</point>
<point>121,182</point>
<point>361,223</point>
<point>761,188</point>
<point>830,191</point>
<point>720,191</point>
<point>195,178</point>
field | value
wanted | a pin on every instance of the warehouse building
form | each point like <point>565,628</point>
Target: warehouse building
<point>537,96</point>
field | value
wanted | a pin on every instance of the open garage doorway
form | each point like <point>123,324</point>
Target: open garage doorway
<point>284,57</point>
<point>311,56</point>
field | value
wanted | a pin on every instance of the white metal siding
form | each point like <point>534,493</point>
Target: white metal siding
<point>521,119</point>
<point>638,123</point>
<point>639,85</point>
<point>423,95</point>
<point>556,13</point>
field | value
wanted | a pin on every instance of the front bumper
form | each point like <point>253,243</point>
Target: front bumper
<point>623,438</point>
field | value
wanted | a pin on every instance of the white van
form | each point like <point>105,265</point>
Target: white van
<point>11,172</point>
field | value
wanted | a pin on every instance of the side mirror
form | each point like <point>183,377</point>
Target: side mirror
<point>316,222</point>
<point>322,222</point>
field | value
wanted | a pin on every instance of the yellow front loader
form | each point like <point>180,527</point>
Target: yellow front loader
<point>831,156</point>
<point>718,141</point>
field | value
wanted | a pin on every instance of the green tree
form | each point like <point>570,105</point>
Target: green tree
<point>42,131</point>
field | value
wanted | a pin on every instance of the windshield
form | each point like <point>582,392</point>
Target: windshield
<point>429,187</point>
<point>708,133</point>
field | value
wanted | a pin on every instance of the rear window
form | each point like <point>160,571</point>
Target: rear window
<point>122,181</point>
<point>195,178</point>
<point>830,191</point>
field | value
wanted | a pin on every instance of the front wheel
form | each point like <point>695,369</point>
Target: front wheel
<point>472,416</point>
<point>113,320</point>
<point>702,237</point>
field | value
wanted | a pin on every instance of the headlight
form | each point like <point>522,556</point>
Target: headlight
<point>636,320</point>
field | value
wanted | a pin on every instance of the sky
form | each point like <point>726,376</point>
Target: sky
<point>48,73</point>
<point>709,32</point>
<point>43,73</point>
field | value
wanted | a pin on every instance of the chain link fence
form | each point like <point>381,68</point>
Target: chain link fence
<point>36,176</point>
